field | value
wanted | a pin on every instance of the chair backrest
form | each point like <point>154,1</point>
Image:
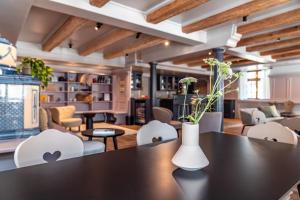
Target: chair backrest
<point>292,123</point>
<point>50,145</point>
<point>211,121</point>
<point>63,112</point>
<point>246,115</point>
<point>155,131</point>
<point>273,131</point>
<point>161,114</point>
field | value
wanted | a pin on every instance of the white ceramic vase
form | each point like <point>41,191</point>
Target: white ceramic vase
<point>190,156</point>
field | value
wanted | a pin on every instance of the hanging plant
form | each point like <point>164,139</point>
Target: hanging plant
<point>36,68</point>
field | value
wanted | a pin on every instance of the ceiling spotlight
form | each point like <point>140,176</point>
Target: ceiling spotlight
<point>70,44</point>
<point>209,53</point>
<point>98,26</point>
<point>167,43</point>
<point>245,18</point>
<point>278,39</point>
<point>138,35</point>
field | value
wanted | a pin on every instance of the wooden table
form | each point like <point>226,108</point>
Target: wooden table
<point>240,168</point>
<point>118,132</point>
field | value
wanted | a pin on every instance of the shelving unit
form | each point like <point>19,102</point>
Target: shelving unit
<point>65,89</point>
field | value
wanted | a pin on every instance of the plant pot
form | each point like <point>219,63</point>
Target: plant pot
<point>26,69</point>
<point>190,156</point>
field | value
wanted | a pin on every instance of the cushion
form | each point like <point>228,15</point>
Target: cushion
<point>43,119</point>
<point>274,111</point>
<point>266,110</point>
<point>71,122</point>
<point>49,117</point>
<point>93,147</point>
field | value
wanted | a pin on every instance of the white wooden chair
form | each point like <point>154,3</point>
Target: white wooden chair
<point>273,131</point>
<point>155,131</point>
<point>50,145</point>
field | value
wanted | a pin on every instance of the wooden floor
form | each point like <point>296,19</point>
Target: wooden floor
<point>231,126</point>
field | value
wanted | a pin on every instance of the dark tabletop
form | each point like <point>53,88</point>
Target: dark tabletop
<point>240,168</point>
<point>89,133</point>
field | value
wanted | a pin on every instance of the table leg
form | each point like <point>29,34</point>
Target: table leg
<point>105,139</point>
<point>115,143</point>
<point>89,122</point>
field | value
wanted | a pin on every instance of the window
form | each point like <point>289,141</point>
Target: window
<point>255,84</point>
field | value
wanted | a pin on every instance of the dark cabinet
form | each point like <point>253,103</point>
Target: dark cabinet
<point>136,81</point>
<point>168,83</point>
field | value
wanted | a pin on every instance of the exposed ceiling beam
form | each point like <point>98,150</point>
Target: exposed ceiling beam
<point>172,9</point>
<point>227,58</point>
<point>104,41</point>
<point>292,31</point>
<point>145,42</point>
<point>287,56</point>
<point>281,50</point>
<point>231,14</point>
<point>191,59</point>
<point>275,45</point>
<point>271,22</point>
<point>244,62</point>
<point>63,32</point>
<point>98,3</point>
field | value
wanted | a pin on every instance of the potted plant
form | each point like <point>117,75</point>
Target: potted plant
<point>36,68</point>
<point>190,156</point>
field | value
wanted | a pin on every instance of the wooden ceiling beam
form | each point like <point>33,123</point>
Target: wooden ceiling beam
<point>292,31</point>
<point>271,22</point>
<point>98,3</point>
<point>102,42</point>
<point>227,58</point>
<point>290,49</point>
<point>275,45</point>
<point>244,62</point>
<point>192,59</point>
<point>71,25</point>
<point>172,9</point>
<point>285,56</point>
<point>142,43</point>
<point>232,14</point>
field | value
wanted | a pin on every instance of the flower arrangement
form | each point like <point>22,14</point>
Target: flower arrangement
<point>203,104</point>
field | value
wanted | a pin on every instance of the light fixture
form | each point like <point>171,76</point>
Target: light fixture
<point>278,39</point>
<point>209,53</point>
<point>70,44</point>
<point>138,35</point>
<point>167,43</point>
<point>98,26</point>
<point>245,18</point>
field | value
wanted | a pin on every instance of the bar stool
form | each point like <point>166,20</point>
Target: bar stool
<point>180,109</point>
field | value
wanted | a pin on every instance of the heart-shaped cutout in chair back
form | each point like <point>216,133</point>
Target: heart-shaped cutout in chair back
<point>51,157</point>
<point>158,139</point>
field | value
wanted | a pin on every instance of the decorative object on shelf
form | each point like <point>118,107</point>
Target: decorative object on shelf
<point>190,156</point>
<point>36,68</point>
<point>88,98</point>
<point>8,53</point>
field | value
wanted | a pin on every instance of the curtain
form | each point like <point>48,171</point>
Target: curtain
<point>243,86</point>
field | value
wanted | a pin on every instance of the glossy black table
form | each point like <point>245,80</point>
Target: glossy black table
<point>240,168</point>
<point>118,132</point>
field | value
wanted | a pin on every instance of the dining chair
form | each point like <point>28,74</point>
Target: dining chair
<point>273,131</point>
<point>251,117</point>
<point>211,121</point>
<point>165,115</point>
<point>155,131</point>
<point>49,146</point>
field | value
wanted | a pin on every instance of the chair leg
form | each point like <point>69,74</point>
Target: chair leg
<point>79,128</point>
<point>243,129</point>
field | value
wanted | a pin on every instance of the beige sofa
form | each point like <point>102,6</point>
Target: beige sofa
<point>253,116</point>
